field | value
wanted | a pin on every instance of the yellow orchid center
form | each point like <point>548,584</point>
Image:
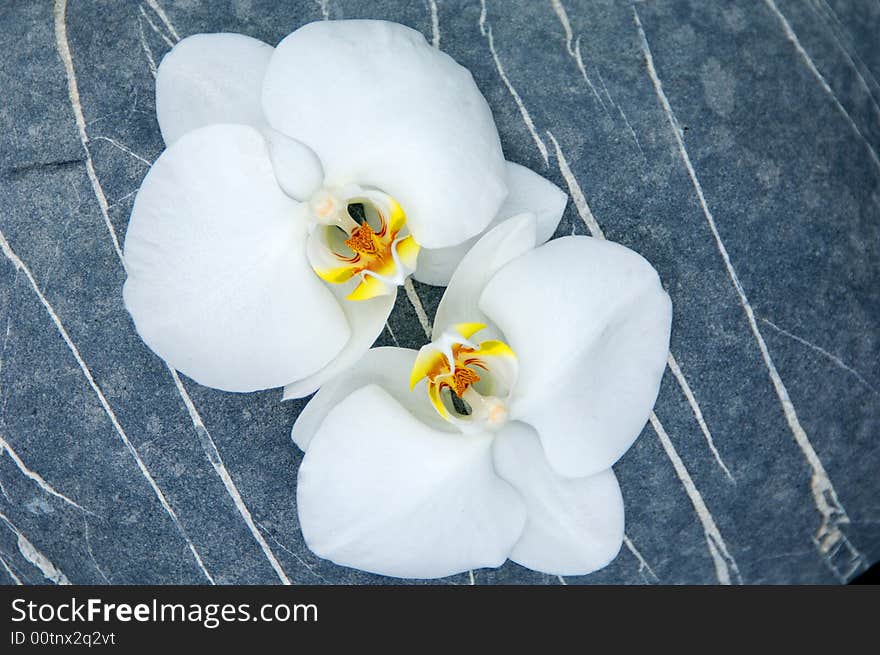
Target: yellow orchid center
<point>469,384</point>
<point>360,234</point>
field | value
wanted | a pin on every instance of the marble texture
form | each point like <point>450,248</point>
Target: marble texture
<point>733,144</point>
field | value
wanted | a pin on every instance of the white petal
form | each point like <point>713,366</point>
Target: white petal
<point>589,322</point>
<point>380,491</point>
<point>387,367</point>
<point>436,265</point>
<point>366,320</point>
<point>211,78</point>
<point>574,526</point>
<point>528,192</point>
<point>499,246</point>
<point>382,108</point>
<point>218,282</point>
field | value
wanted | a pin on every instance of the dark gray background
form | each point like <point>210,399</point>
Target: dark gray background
<point>106,477</point>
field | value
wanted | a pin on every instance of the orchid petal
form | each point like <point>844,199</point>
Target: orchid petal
<point>574,526</point>
<point>589,322</point>
<point>386,367</point>
<point>218,283</point>
<point>528,193</point>
<point>211,78</point>
<point>427,361</point>
<point>380,491</point>
<point>371,287</point>
<point>503,243</point>
<point>382,108</point>
<point>467,330</point>
<point>366,321</point>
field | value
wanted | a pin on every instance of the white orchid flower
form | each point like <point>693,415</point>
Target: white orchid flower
<point>300,186</point>
<point>496,440</point>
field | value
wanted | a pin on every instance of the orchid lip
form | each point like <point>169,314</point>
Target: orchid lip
<point>360,233</point>
<point>469,384</point>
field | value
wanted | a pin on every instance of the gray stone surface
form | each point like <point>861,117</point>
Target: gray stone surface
<point>104,476</point>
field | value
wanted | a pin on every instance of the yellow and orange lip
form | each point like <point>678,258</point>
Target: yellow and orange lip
<point>381,257</point>
<point>468,361</point>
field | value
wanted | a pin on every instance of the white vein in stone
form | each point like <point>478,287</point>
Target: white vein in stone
<point>155,28</point>
<point>291,553</point>
<point>486,31</point>
<point>73,92</point>
<point>435,23</point>
<point>92,554</point>
<point>698,413</point>
<point>830,509</point>
<point>792,37</point>
<point>124,148</point>
<point>645,569</point>
<point>8,326</point>
<point>626,122</point>
<point>154,5</point>
<point>213,456</point>
<point>34,556</point>
<point>574,188</point>
<point>834,358</point>
<point>120,200</point>
<point>391,332</point>
<point>471,578</point>
<point>602,82</point>
<point>37,478</point>
<point>629,127</point>
<point>151,62</point>
<point>836,33</point>
<point>324,6</point>
<point>8,570</point>
<point>561,580</point>
<point>416,302</point>
<point>20,265</point>
<point>574,47</point>
<point>574,52</point>
<point>726,569</point>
